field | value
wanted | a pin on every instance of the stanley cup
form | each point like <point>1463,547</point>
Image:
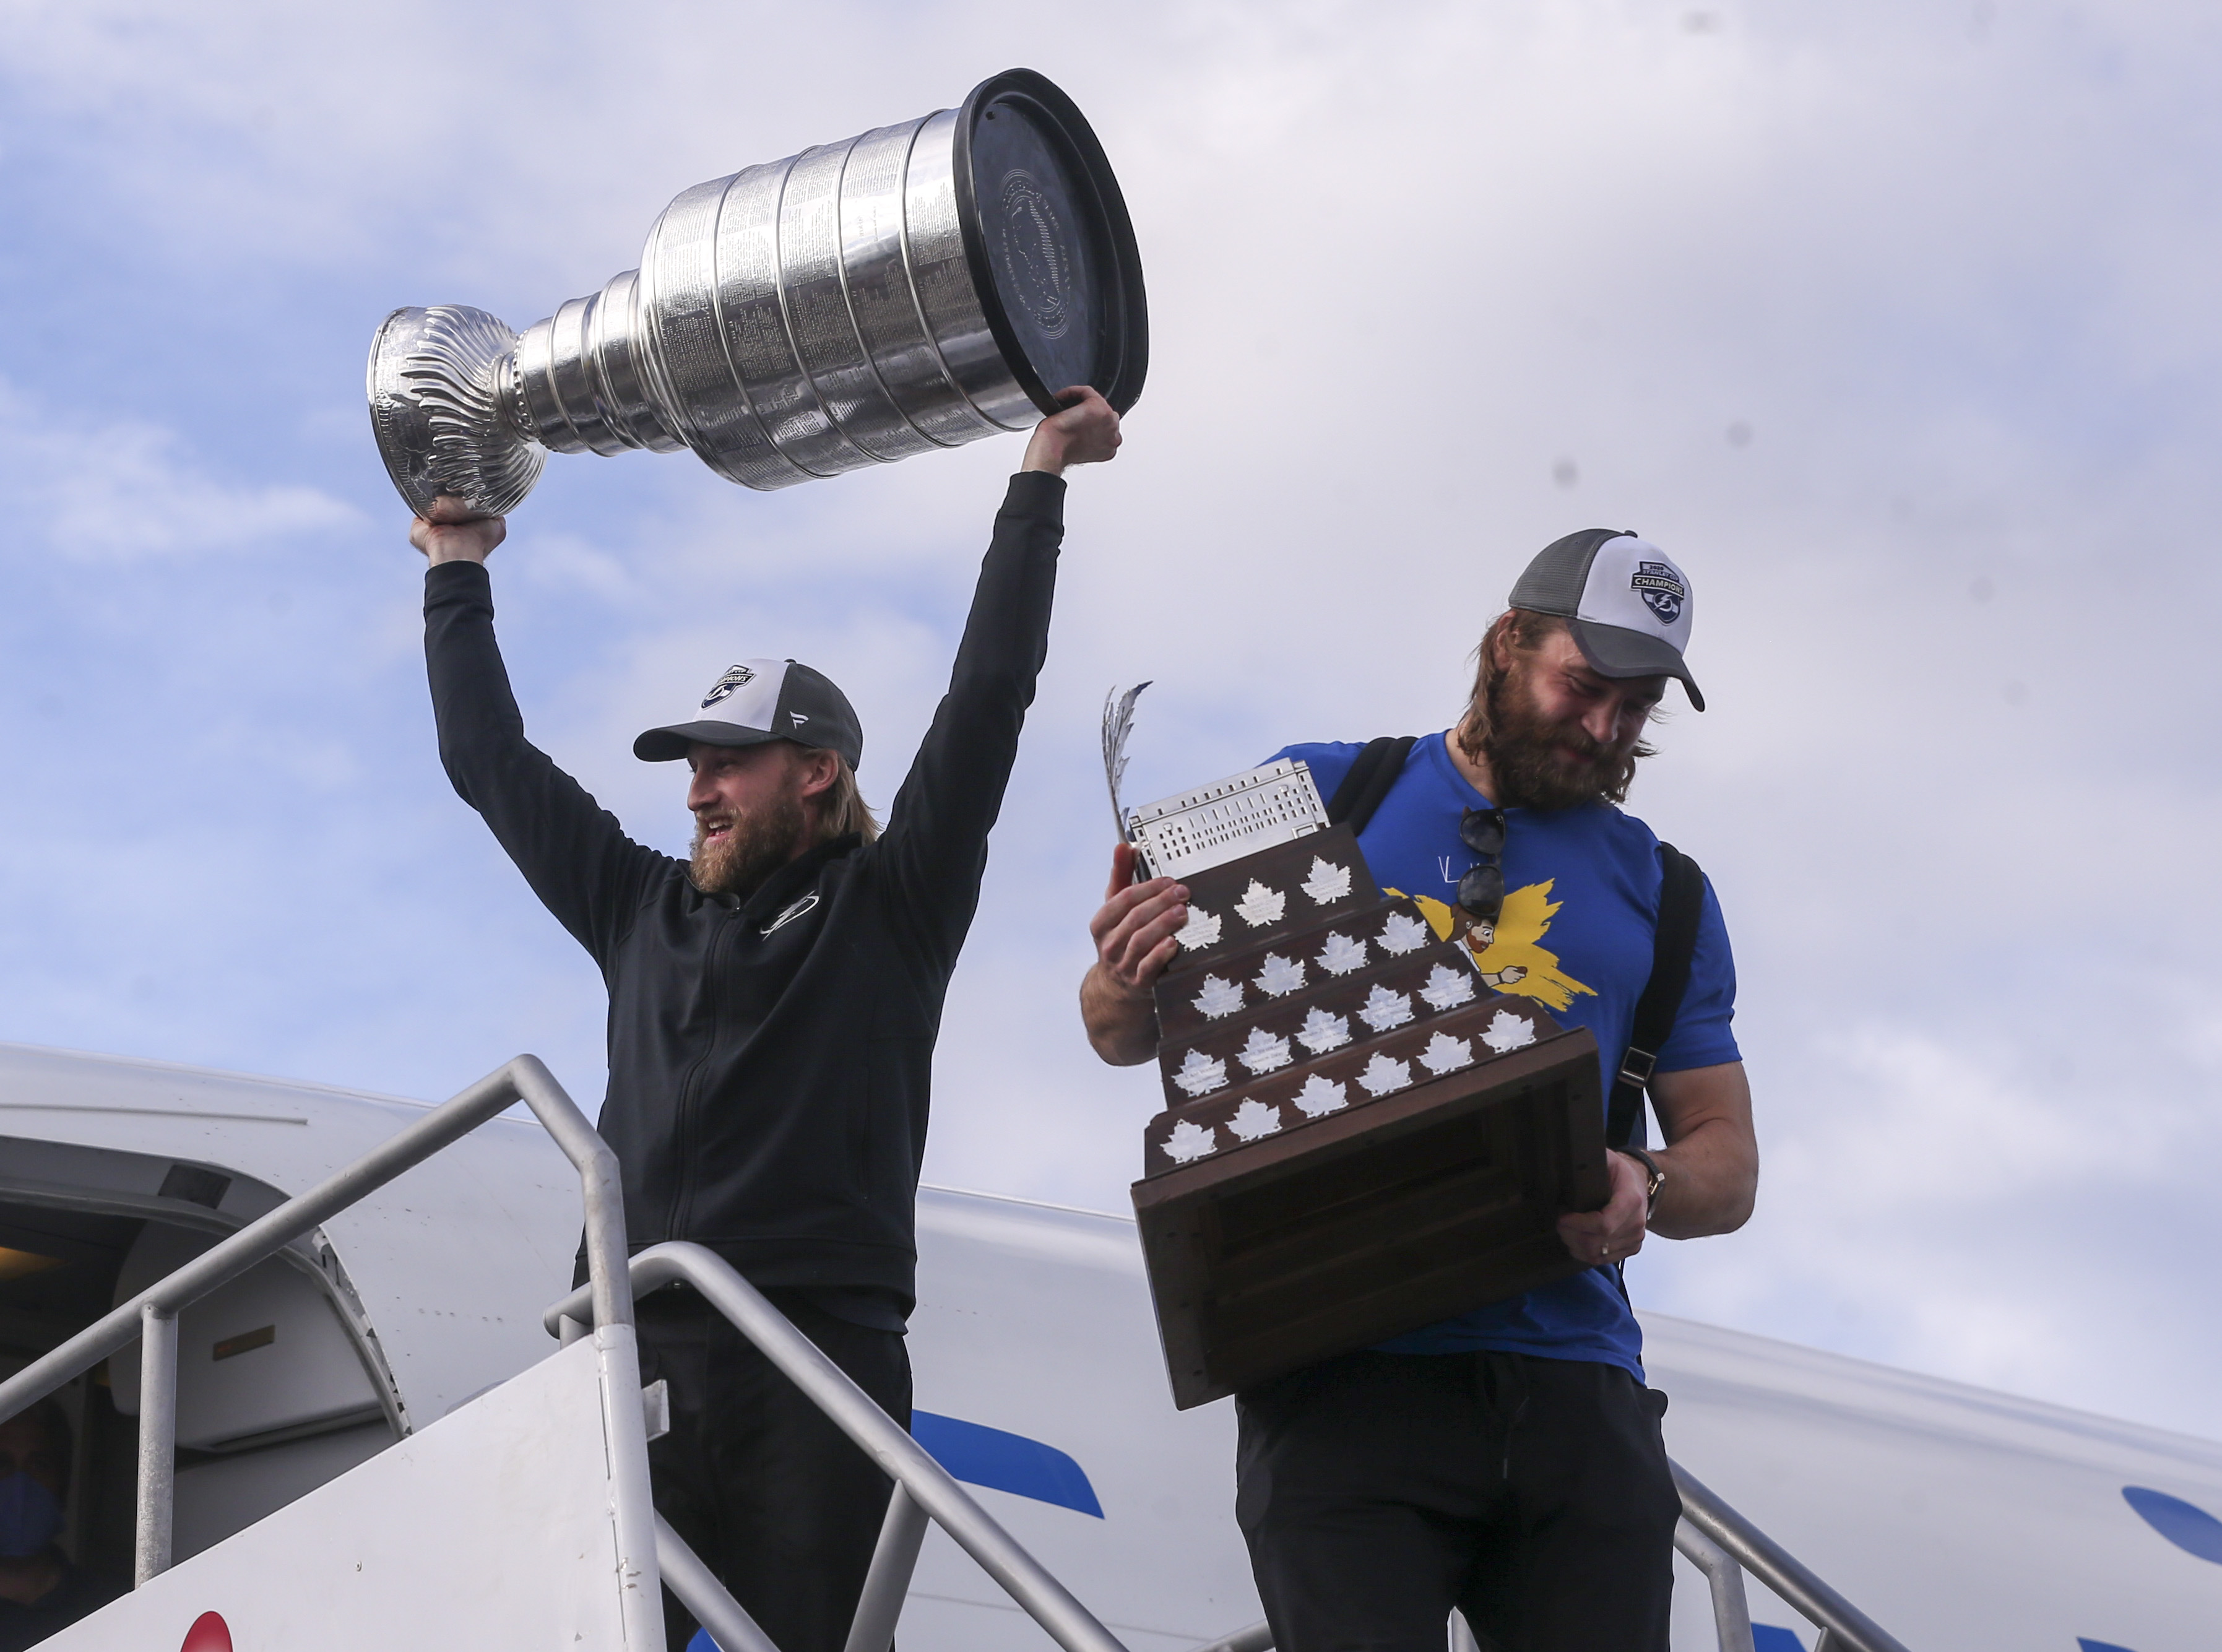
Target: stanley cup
<point>917,287</point>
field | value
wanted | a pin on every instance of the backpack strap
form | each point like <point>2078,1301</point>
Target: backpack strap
<point>1681,900</point>
<point>1369,781</point>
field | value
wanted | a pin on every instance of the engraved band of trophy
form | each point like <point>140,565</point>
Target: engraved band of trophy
<point>1359,1137</point>
<point>916,287</point>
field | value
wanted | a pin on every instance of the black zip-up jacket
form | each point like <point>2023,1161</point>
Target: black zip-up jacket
<point>769,1060</point>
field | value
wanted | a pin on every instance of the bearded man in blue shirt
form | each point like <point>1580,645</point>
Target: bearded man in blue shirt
<point>1506,1462</point>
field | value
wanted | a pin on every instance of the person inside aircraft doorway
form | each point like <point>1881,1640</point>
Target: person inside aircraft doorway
<point>1508,1461</point>
<point>42,1591</point>
<point>774,1002</point>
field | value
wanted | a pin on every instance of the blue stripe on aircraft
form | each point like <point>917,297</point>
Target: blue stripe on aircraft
<point>2186,1526</point>
<point>1000,1460</point>
<point>1772,1637</point>
<point>2089,1645</point>
<point>1005,1462</point>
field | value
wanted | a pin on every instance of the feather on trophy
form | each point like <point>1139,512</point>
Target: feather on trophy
<point>1359,1136</point>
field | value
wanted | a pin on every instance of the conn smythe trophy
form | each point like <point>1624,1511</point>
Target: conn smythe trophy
<point>916,287</point>
<point>1359,1137</point>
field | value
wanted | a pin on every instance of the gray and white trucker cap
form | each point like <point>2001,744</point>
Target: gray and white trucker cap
<point>1626,602</point>
<point>764,699</point>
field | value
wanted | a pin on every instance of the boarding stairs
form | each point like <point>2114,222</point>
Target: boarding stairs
<point>395,1551</point>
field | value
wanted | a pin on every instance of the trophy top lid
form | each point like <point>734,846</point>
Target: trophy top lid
<point>1049,241</point>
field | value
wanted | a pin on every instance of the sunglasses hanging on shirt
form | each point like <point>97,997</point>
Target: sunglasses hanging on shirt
<point>1481,890</point>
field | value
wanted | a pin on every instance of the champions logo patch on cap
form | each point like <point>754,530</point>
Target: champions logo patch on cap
<point>1662,589</point>
<point>1626,602</point>
<point>737,677</point>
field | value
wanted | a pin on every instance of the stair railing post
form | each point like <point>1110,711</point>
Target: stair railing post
<point>1047,1601</point>
<point>1844,1627</point>
<point>1725,1578</point>
<point>617,1348</point>
<point>873,1629</point>
<point>158,1441</point>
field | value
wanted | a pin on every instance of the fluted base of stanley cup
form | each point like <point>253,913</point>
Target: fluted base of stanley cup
<point>916,287</point>
<point>443,385</point>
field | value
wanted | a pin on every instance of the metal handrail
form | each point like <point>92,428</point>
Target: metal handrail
<point>1723,1545</point>
<point>688,1577</point>
<point>920,1480</point>
<point>152,1316</point>
<point>1840,1624</point>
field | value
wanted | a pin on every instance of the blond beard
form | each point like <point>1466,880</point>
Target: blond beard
<point>759,843</point>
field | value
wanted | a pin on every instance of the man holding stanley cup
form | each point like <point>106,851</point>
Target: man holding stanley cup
<point>773,1001</point>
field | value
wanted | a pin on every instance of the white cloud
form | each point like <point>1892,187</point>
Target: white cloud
<point>125,489</point>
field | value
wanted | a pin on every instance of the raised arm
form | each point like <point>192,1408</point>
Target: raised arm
<point>936,843</point>
<point>572,851</point>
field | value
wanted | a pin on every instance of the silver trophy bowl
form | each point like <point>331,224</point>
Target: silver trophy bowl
<point>920,286</point>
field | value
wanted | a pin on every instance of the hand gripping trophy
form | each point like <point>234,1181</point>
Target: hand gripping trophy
<point>920,286</point>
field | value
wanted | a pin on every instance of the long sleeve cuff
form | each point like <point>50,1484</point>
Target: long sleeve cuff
<point>1038,494</point>
<point>458,581</point>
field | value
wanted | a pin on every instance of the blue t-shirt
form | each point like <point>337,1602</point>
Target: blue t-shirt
<point>1580,904</point>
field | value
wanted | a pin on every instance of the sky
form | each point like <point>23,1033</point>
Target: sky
<point>1894,324</point>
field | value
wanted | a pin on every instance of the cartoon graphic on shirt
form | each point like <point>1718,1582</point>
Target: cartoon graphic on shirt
<point>1508,952</point>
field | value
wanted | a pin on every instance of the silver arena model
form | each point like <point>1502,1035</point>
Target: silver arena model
<point>1181,836</point>
<point>918,287</point>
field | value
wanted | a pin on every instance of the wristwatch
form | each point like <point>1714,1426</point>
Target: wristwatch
<point>1654,1177</point>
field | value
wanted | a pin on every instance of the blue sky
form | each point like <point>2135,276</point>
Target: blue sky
<point>1896,325</point>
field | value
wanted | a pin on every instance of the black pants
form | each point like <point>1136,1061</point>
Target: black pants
<point>1379,1491</point>
<point>779,1503</point>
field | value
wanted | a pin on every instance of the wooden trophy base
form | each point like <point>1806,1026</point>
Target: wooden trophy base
<point>1372,1222</point>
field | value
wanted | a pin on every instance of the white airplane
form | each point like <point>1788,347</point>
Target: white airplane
<point>377,1442</point>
